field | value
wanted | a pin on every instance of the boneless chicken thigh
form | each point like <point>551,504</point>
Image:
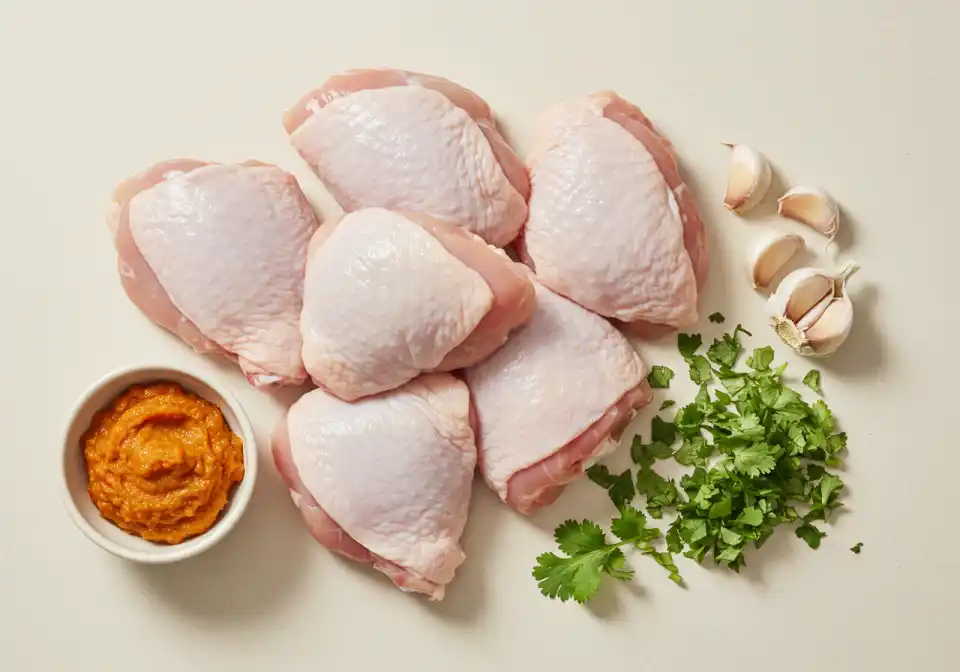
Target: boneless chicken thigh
<point>408,141</point>
<point>611,224</point>
<point>389,295</point>
<point>385,480</point>
<point>216,254</point>
<point>552,400</point>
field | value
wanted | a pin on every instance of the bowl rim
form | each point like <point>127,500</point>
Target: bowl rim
<point>240,497</point>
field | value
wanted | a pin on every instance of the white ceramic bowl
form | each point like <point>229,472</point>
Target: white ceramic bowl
<point>86,515</point>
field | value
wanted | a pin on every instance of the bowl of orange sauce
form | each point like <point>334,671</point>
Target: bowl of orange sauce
<point>158,463</point>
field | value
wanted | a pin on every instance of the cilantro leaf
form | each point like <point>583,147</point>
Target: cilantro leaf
<point>856,548</point>
<point>660,492</point>
<point>789,399</point>
<point>688,344</point>
<point>663,431</point>
<point>619,487</point>
<point>674,542</point>
<point>658,450</point>
<point>700,370</point>
<point>665,560</point>
<point>829,485</point>
<point>667,404</point>
<point>822,415</point>
<point>810,534</point>
<point>600,475</point>
<point>730,537</point>
<point>622,491</point>
<point>577,577</point>
<point>693,530</point>
<point>731,555</point>
<point>717,318</point>
<point>754,460</point>
<point>725,350</point>
<point>751,516</point>
<point>631,527</point>
<point>761,359</point>
<point>812,380</point>
<point>693,451</point>
<point>575,538</point>
<point>638,453</point>
<point>721,509</point>
<point>660,377</point>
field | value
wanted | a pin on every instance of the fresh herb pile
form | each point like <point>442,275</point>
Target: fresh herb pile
<point>759,456</point>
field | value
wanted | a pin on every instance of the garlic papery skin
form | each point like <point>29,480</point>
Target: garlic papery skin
<point>811,311</point>
<point>772,256</point>
<point>748,179</point>
<point>811,206</point>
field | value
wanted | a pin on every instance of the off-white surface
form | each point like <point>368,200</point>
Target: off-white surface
<point>860,96</point>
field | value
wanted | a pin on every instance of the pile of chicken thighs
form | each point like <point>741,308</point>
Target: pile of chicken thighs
<point>431,349</point>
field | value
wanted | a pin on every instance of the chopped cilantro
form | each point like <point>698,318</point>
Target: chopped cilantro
<point>660,377</point>
<point>700,371</point>
<point>759,457</point>
<point>663,431</point>
<point>619,487</point>
<point>689,344</point>
<point>856,548</point>
<point>717,318</point>
<point>812,380</point>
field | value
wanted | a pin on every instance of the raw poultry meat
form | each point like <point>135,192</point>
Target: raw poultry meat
<point>555,398</point>
<point>216,254</point>
<point>408,141</point>
<point>611,224</point>
<point>385,480</point>
<point>390,295</point>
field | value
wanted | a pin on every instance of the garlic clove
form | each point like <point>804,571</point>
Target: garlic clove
<point>807,293</point>
<point>791,284</point>
<point>773,256</point>
<point>830,331</point>
<point>814,313</point>
<point>811,311</point>
<point>811,206</point>
<point>748,179</point>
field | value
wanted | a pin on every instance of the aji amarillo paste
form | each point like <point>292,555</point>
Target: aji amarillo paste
<point>161,462</point>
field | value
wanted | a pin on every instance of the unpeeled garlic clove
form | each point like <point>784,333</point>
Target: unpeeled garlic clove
<point>773,256</point>
<point>813,207</point>
<point>811,311</point>
<point>748,179</point>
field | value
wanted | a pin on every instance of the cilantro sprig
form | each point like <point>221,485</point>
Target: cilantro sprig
<point>588,556</point>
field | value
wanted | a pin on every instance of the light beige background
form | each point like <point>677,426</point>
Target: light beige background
<point>860,96</point>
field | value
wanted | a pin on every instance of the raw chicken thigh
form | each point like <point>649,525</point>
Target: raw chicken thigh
<point>386,480</point>
<point>216,254</point>
<point>409,141</point>
<point>553,400</point>
<point>611,224</point>
<point>390,295</point>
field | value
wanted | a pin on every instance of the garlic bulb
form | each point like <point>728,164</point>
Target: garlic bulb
<point>811,311</point>
<point>748,179</point>
<point>812,206</point>
<point>772,257</point>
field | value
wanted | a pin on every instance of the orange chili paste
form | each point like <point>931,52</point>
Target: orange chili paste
<point>161,462</point>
